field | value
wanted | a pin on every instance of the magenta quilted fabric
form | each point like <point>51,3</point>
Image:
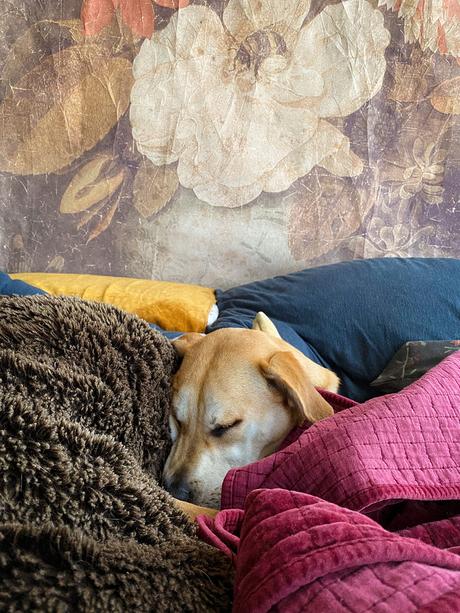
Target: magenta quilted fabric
<point>400,446</point>
<point>297,553</point>
<point>358,512</point>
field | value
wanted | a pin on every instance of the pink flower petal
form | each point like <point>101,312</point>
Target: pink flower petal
<point>139,16</point>
<point>173,4</point>
<point>95,15</point>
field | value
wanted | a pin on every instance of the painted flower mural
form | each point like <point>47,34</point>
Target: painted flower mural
<point>219,141</point>
<point>425,176</point>
<point>243,104</point>
<point>419,171</point>
<point>138,15</point>
<point>393,233</point>
<point>435,25</point>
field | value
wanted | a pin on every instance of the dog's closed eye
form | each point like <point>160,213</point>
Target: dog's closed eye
<point>221,429</point>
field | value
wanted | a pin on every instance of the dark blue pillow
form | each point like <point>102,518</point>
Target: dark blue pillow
<point>15,287</point>
<point>167,333</point>
<point>354,315</point>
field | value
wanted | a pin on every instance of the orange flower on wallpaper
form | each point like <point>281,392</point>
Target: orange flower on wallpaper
<point>435,25</point>
<point>138,15</point>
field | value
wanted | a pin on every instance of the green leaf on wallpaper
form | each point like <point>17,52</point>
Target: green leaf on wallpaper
<point>62,108</point>
<point>56,264</point>
<point>95,181</point>
<point>36,43</point>
<point>106,219</point>
<point>325,211</point>
<point>89,214</point>
<point>154,186</point>
<point>446,97</point>
<point>410,81</point>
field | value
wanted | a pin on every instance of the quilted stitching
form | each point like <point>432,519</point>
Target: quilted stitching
<point>397,455</point>
<point>404,445</point>
<point>298,552</point>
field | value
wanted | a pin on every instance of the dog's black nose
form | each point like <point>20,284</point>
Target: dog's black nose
<point>179,488</point>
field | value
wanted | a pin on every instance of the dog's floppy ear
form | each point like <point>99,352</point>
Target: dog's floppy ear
<point>264,324</point>
<point>285,373</point>
<point>186,341</point>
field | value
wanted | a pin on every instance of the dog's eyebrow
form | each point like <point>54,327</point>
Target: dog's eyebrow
<point>211,409</point>
<point>216,412</point>
<point>215,417</point>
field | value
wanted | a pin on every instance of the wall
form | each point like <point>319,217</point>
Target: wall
<point>221,142</point>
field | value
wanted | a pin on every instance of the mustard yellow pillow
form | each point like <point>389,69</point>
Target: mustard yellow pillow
<point>172,306</point>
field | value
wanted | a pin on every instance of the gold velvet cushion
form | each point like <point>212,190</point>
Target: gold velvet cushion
<point>172,306</point>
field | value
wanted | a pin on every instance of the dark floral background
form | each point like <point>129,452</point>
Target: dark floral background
<point>222,141</point>
<point>411,361</point>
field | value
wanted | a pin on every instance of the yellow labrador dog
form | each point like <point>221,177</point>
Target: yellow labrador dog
<point>236,396</point>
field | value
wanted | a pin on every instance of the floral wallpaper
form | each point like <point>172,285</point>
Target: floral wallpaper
<point>221,141</point>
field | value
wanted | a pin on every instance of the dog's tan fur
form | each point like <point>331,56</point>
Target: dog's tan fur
<point>251,382</point>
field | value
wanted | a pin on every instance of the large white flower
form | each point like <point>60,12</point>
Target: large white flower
<point>243,105</point>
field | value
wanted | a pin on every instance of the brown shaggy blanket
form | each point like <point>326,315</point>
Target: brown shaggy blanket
<point>84,526</point>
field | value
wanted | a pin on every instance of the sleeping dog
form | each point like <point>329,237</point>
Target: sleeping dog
<point>236,396</point>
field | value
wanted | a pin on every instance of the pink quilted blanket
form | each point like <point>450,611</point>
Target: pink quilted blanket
<point>360,511</point>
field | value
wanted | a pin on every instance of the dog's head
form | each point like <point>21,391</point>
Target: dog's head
<point>236,396</point>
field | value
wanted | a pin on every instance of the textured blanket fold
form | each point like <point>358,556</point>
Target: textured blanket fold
<point>369,514</point>
<point>84,393</point>
<point>297,552</point>
<point>403,446</point>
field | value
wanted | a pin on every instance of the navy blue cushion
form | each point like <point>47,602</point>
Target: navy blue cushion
<point>354,316</point>
<point>167,333</point>
<point>15,287</point>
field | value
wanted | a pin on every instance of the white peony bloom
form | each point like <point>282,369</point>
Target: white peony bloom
<point>243,104</point>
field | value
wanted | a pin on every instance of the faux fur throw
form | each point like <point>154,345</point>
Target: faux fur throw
<point>84,526</point>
